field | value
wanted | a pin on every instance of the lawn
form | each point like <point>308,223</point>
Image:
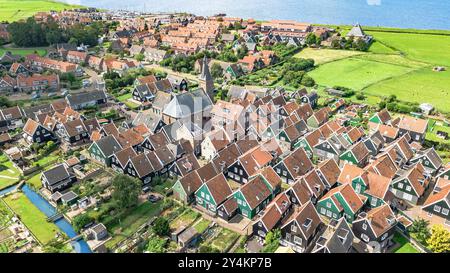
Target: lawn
<point>433,128</point>
<point>13,10</point>
<point>124,97</point>
<point>32,217</point>
<point>5,215</point>
<point>422,85</point>
<point>433,49</point>
<point>356,73</point>
<point>51,158</point>
<point>185,219</point>
<point>321,56</point>
<point>201,225</point>
<point>125,224</point>
<point>23,51</point>
<point>9,175</point>
<point>405,245</point>
<point>224,239</point>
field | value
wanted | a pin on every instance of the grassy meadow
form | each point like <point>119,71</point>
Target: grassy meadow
<point>14,10</point>
<point>397,63</point>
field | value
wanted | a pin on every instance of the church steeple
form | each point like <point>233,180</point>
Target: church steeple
<point>206,80</point>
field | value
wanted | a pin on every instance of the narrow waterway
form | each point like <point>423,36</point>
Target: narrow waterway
<point>8,189</point>
<point>43,205</point>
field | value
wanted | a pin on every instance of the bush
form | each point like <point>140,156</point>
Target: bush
<point>81,221</point>
<point>161,226</point>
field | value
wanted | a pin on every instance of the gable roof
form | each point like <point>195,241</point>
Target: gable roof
<point>330,171</point>
<point>108,145</point>
<point>381,219</point>
<point>255,192</point>
<point>219,188</point>
<point>307,219</point>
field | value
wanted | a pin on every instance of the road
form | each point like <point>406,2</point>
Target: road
<point>171,72</point>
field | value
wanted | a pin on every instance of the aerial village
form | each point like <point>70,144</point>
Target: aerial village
<point>224,160</point>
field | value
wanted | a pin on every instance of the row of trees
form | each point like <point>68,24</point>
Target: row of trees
<point>30,33</point>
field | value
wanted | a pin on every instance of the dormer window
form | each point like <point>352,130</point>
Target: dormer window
<point>307,223</point>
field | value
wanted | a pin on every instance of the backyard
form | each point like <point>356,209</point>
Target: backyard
<point>404,245</point>
<point>224,239</point>
<point>185,219</point>
<point>32,217</point>
<point>128,222</point>
<point>9,175</point>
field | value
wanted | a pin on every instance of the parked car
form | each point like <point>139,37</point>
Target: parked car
<point>153,198</point>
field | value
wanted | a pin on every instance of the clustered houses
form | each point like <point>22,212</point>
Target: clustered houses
<point>266,155</point>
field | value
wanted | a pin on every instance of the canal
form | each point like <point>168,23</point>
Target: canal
<point>80,245</point>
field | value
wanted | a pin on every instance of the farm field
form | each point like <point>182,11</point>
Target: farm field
<point>419,86</point>
<point>356,73</point>
<point>428,48</point>
<point>397,63</point>
<point>321,56</point>
<point>32,217</point>
<point>13,10</point>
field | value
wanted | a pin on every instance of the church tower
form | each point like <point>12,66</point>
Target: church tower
<point>206,80</point>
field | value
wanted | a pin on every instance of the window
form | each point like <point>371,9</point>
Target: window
<point>329,213</point>
<point>373,202</point>
<point>278,171</point>
<point>364,226</point>
<point>408,188</point>
<point>294,228</point>
<point>207,197</point>
<point>328,204</point>
<point>284,173</point>
<point>365,237</point>
<point>400,185</point>
<point>437,208</point>
<point>358,188</point>
<point>297,240</point>
<point>241,172</point>
<point>323,211</point>
<point>202,194</point>
<point>444,211</point>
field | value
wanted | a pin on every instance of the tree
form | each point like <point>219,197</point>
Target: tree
<point>242,51</point>
<point>126,191</point>
<point>216,70</point>
<point>420,229</point>
<point>5,102</point>
<point>139,57</point>
<point>439,240</point>
<point>272,241</point>
<point>311,39</point>
<point>156,245</point>
<point>81,220</point>
<point>161,226</point>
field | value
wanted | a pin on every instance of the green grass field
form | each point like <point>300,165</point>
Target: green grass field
<point>321,56</point>
<point>356,73</point>
<point>9,174</point>
<point>24,51</point>
<point>397,63</point>
<point>432,49</point>
<point>419,86</point>
<point>14,10</point>
<point>32,217</point>
<point>405,246</point>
